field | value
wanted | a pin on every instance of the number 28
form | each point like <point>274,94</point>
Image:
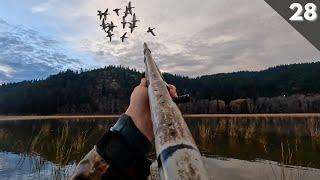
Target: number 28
<point>310,13</point>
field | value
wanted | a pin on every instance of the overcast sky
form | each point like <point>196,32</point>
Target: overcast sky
<point>43,37</point>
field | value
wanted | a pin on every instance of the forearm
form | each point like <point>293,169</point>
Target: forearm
<point>120,153</point>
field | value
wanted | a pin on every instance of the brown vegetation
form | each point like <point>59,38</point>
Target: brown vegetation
<point>282,104</point>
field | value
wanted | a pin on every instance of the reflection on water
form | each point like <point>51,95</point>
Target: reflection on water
<point>49,149</point>
<point>289,140</point>
<point>14,166</point>
<point>46,149</point>
<point>234,169</point>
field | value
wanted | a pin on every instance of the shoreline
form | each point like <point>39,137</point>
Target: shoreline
<point>40,117</point>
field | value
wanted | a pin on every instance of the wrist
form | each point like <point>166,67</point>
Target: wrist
<point>142,121</point>
<point>126,127</point>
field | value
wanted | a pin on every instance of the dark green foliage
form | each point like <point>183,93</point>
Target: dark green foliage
<point>108,90</point>
<point>96,91</point>
<point>276,81</point>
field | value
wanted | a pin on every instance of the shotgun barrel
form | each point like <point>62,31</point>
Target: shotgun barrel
<point>177,154</point>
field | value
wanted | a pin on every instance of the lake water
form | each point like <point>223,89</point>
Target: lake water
<point>277,148</point>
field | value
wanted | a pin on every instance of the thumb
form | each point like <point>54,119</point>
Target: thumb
<point>143,82</point>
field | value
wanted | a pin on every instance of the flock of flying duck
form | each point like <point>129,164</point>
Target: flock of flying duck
<point>109,27</point>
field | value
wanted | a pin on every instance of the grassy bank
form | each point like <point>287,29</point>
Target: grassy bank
<point>35,117</point>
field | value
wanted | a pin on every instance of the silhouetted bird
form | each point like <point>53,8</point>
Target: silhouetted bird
<point>104,25</point>
<point>111,26</point>
<point>126,12</point>
<point>134,20</point>
<point>117,11</point>
<point>132,26</point>
<point>105,14</point>
<point>100,14</point>
<point>130,8</point>
<point>123,36</point>
<point>110,35</point>
<point>150,30</point>
<point>124,22</point>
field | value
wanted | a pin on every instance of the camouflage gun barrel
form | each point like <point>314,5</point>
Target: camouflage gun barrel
<point>177,154</point>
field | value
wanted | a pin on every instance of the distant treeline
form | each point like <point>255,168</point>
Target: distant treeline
<point>297,103</point>
<point>286,88</point>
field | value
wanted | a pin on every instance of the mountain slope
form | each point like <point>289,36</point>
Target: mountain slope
<point>108,90</point>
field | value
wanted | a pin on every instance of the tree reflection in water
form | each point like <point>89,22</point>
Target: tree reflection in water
<point>51,148</point>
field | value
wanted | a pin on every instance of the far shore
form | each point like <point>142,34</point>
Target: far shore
<point>41,117</point>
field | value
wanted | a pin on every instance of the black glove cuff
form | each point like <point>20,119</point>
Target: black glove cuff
<point>126,127</point>
<point>124,145</point>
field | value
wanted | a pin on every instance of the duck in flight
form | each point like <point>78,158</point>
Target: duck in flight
<point>134,20</point>
<point>123,36</point>
<point>130,7</point>
<point>124,22</point>
<point>110,35</point>
<point>100,14</point>
<point>111,26</point>
<point>104,25</point>
<point>105,14</point>
<point>126,12</point>
<point>150,30</point>
<point>117,11</point>
<point>132,26</point>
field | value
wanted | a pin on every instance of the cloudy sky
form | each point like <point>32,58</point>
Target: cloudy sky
<point>43,37</point>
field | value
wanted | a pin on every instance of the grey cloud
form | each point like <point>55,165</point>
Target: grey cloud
<point>193,37</point>
<point>28,72</point>
<point>196,38</point>
<point>29,55</point>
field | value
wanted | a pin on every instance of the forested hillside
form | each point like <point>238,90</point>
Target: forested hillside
<point>107,91</point>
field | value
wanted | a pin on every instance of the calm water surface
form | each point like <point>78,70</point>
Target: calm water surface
<point>268,148</point>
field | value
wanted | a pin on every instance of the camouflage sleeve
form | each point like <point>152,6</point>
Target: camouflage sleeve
<point>92,166</point>
<point>119,154</point>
